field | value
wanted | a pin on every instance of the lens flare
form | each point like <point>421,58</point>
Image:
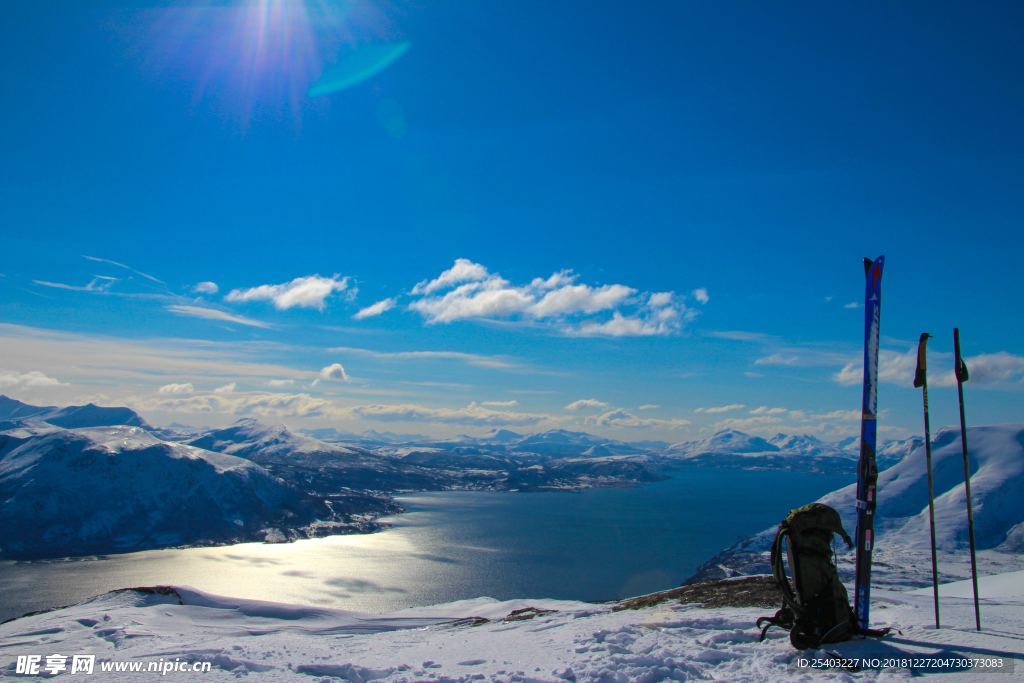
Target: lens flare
<point>264,58</point>
<point>355,65</point>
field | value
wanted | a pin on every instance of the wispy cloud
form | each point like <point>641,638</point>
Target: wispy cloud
<point>500,404</point>
<point>97,259</point>
<point>311,291</point>
<point>765,410</point>
<point>701,295</point>
<point>648,406</point>
<point>215,314</point>
<point>206,287</point>
<point>242,403</point>
<point>714,410</point>
<point>382,306</point>
<point>741,335</point>
<point>13,379</point>
<point>755,424</point>
<point>473,414</point>
<point>474,359</point>
<point>98,284</point>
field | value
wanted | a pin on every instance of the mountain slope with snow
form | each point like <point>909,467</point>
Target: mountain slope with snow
<point>901,517</point>
<point>518,641</point>
<point>110,489</point>
<point>70,417</point>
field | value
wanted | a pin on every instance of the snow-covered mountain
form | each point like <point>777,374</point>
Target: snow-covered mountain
<point>724,442</point>
<point>805,444</point>
<point>70,417</point>
<point>314,464</point>
<point>733,448</point>
<point>901,518</point>
<point>71,492</point>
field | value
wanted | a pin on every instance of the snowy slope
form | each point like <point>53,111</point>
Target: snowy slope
<point>89,415</point>
<point>252,640</point>
<point>69,492</point>
<point>901,524</point>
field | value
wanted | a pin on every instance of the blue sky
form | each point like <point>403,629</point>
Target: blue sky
<point>657,209</point>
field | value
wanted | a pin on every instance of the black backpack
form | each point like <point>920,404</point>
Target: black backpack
<point>815,605</point>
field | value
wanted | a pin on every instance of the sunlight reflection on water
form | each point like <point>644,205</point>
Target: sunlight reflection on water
<point>595,545</point>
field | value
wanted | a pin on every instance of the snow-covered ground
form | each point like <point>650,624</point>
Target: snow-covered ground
<point>251,640</point>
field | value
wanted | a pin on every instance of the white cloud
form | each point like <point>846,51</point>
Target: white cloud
<point>579,299</point>
<point>714,410</point>
<point>648,406</point>
<point>227,388</point>
<point>701,295</point>
<point>587,404</point>
<point>302,292</point>
<point>623,326</point>
<point>280,382</point>
<point>621,418</point>
<point>205,287</point>
<point>493,298</point>
<point>659,299</point>
<point>472,414</point>
<point>10,379</point>
<point>851,305</point>
<point>334,373</point>
<point>500,404</point>
<point>376,309</point>
<point>468,291</point>
<point>174,388</point>
<point>463,270</point>
<point>214,314</point>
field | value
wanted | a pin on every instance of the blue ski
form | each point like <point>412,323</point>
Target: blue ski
<point>867,468</point>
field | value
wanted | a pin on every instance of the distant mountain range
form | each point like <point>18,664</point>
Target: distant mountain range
<point>84,479</point>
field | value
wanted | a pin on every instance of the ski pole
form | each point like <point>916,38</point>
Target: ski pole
<point>921,380</point>
<point>961,376</point>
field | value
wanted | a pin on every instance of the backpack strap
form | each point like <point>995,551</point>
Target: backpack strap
<point>787,614</point>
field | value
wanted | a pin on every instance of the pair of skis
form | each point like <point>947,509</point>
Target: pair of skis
<point>867,468</point>
<point>921,381</point>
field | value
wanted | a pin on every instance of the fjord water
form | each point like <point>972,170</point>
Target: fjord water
<point>598,544</point>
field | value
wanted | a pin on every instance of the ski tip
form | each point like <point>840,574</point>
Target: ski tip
<point>867,265</point>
